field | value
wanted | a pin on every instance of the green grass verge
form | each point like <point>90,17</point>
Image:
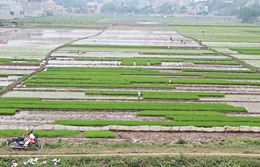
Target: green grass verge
<point>151,123</point>
<point>41,133</point>
<point>4,111</point>
<point>241,140</point>
<point>99,134</point>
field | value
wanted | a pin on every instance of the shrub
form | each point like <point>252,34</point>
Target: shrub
<point>181,141</point>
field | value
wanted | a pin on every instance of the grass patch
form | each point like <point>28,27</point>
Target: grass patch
<point>99,134</point>
<point>41,133</point>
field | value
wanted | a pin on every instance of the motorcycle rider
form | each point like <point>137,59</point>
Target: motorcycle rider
<point>28,138</point>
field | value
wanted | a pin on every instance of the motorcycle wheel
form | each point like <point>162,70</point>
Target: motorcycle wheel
<point>12,145</point>
<point>39,146</point>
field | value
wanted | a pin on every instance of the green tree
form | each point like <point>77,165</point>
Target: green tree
<point>248,14</point>
<point>166,8</point>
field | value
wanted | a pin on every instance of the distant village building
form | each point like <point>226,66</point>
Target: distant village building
<point>11,9</point>
<point>16,9</point>
<point>32,8</point>
<point>92,8</point>
<point>50,8</point>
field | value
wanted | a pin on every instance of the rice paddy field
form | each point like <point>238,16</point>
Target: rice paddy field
<point>101,77</point>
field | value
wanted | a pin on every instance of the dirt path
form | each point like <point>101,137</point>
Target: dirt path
<point>133,154</point>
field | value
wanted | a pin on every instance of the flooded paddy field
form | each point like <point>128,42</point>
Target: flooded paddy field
<point>133,77</point>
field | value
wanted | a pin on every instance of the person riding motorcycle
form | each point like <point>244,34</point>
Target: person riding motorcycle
<point>28,138</point>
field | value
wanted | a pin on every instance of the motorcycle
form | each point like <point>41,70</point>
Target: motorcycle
<point>19,143</point>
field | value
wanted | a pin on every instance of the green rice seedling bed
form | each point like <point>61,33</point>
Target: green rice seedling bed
<point>224,71</point>
<point>224,38</point>
<point>219,63</point>
<point>97,80</point>
<point>41,133</point>
<point>231,76</point>
<point>158,95</point>
<point>26,103</point>
<point>151,123</point>
<point>155,86</point>
<point>116,46</point>
<point>99,134</point>
<point>17,99</point>
<point>4,111</point>
<point>212,81</point>
<point>255,51</point>
<point>139,50</point>
<point>179,95</point>
<point>179,113</point>
<point>20,61</point>
<point>157,60</point>
<point>213,29</point>
<point>3,75</point>
<point>153,61</point>
<point>193,52</point>
<point>54,77</point>
<point>213,118</point>
<point>115,93</point>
